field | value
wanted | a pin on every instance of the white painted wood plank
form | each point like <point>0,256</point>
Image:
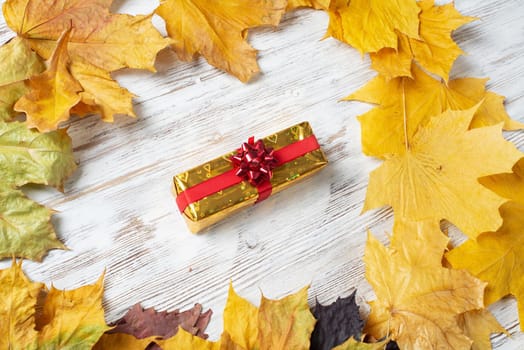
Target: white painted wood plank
<point>118,212</point>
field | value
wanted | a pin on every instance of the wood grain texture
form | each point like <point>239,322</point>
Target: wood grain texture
<point>118,213</point>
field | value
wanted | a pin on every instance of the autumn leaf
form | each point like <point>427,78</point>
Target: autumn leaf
<point>286,323</point>
<point>18,64</point>
<point>52,93</point>
<point>406,104</point>
<point>30,157</point>
<point>69,319</point>
<point>316,4</point>
<point>370,25</point>
<point>100,93</point>
<point>185,340</point>
<point>437,175</point>
<point>73,319</point>
<point>435,51</point>
<point>18,298</point>
<point>336,323</point>
<point>478,325</point>
<point>218,31</point>
<point>497,257</point>
<point>417,306</point>
<point>108,41</point>
<point>508,185</point>
<point>241,320</point>
<point>352,344</point>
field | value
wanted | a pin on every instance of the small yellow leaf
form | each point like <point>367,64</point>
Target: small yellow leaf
<point>406,104</point>
<point>51,94</point>
<point>18,64</point>
<point>370,25</point>
<point>100,92</point>
<point>352,344</point>
<point>18,298</point>
<point>73,319</point>
<point>286,323</point>
<point>184,340</point>
<point>122,341</point>
<point>435,50</point>
<point>240,320</point>
<point>109,41</point>
<point>437,176</point>
<point>497,257</point>
<point>417,305</point>
<point>478,325</point>
<point>218,30</point>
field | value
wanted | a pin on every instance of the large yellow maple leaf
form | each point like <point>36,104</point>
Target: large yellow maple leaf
<point>497,258</point>
<point>52,93</point>
<point>417,305</point>
<point>435,50</point>
<point>406,104</point>
<point>370,25</point>
<point>218,30</point>
<point>108,41</point>
<point>436,176</point>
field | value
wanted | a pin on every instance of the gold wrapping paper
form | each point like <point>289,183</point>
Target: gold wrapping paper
<point>217,206</point>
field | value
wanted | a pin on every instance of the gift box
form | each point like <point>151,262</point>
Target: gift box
<point>224,185</point>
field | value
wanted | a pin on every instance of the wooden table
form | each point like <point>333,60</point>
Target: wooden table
<point>118,213</point>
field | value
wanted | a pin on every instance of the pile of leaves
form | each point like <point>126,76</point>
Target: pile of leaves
<point>440,140</point>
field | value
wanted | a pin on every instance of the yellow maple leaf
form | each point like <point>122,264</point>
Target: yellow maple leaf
<point>241,320</point>
<point>19,63</point>
<point>18,298</point>
<point>405,104</point>
<point>478,325</point>
<point>185,340</point>
<point>436,177</point>
<point>101,94</point>
<point>109,41</point>
<point>370,25</point>
<point>52,93</point>
<point>73,318</point>
<point>497,257</point>
<point>435,50</point>
<point>286,323</point>
<point>218,30</point>
<point>316,4</point>
<point>417,305</point>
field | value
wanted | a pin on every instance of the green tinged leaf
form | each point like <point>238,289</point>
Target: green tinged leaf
<point>26,156</point>
<point>24,227</point>
<point>19,63</point>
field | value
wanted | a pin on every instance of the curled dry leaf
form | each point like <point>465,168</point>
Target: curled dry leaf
<point>19,63</point>
<point>370,25</point>
<point>218,31</point>
<point>336,323</point>
<point>417,306</point>
<point>404,105</point>
<point>435,51</point>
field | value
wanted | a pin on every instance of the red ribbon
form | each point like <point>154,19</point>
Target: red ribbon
<point>247,170</point>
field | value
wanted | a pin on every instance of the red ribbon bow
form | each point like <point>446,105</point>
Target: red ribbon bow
<point>254,162</point>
